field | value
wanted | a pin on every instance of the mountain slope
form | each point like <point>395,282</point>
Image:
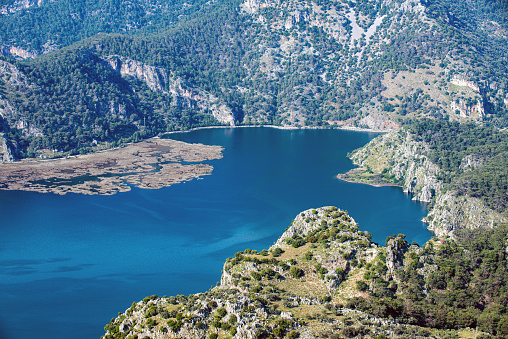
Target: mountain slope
<point>325,63</point>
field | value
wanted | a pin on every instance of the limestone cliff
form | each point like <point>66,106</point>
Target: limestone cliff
<point>450,212</point>
<point>6,150</point>
<point>19,5</point>
<point>13,78</point>
<point>398,156</point>
<point>159,79</point>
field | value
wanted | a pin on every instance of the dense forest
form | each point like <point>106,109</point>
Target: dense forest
<point>324,63</point>
<point>448,285</point>
<point>473,158</point>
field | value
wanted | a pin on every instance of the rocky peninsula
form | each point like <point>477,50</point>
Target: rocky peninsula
<point>150,164</point>
<point>398,159</point>
<point>307,285</point>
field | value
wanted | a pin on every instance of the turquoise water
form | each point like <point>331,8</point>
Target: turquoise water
<point>68,264</point>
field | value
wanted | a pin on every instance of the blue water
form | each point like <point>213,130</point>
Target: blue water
<point>68,264</point>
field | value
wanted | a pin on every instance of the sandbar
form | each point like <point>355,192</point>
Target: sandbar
<point>150,164</point>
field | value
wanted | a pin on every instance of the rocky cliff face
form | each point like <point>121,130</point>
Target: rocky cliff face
<point>13,78</point>
<point>6,150</point>
<point>19,5</point>
<point>396,249</point>
<point>451,212</point>
<point>160,80</point>
<point>397,154</point>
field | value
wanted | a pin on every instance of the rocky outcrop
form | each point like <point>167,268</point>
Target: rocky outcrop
<point>461,81</point>
<point>451,212</point>
<point>290,293</point>
<point>13,78</point>
<point>159,79</point>
<point>398,155</point>
<point>471,162</point>
<point>19,5</point>
<point>156,78</point>
<point>396,248</point>
<point>474,111</point>
<point>6,150</point>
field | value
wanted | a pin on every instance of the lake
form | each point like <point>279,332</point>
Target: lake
<point>70,263</point>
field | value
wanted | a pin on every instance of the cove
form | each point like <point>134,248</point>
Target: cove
<point>69,263</point>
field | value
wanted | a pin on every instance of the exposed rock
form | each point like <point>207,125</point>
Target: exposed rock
<point>459,80</point>
<point>465,110</point>
<point>6,152</point>
<point>397,154</point>
<point>395,250</point>
<point>305,222</point>
<point>19,5</point>
<point>471,162</point>
<point>378,122</point>
<point>451,212</point>
<point>284,305</point>
<point>404,158</point>
<point>155,78</point>
<point>14,77</point>
<point>159,79</point>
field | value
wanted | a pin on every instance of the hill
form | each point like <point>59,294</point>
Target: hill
<point>324,278</point>
<point>115,71</point>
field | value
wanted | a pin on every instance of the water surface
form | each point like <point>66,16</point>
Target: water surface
<point>68,264</point>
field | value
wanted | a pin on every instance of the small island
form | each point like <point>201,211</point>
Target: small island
<point>152,164</point>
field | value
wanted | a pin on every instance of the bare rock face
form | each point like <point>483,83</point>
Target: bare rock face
<point>406,159</point>
<point>6,151</point>
<point>395,250</point>
<point>155,78</point>
<point>19,5</point>
<point>451,212</point>
<point>471,162</point>
<point>159,79</point>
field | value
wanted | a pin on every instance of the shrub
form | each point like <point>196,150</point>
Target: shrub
<point>284,266</point>
<point>292,335</point>
<point>277,252</point>
<point>308,255</point>
<point>255,275</point>
<point>221,312</point>
<point>296,272</point>
<point>361,286</point>
<point>232,319</point>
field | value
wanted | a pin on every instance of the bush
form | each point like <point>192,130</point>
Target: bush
<point>221,312</point>
<point>308,255</point>
<point>292,335</point>
<point>296,272</point>
<point>277,252</point>
<point>232,319</point>
<point>255,275</point>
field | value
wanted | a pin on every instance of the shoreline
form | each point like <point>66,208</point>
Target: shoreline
<point>338,176</point>
<point>160,136</point>
<point>346,128</point>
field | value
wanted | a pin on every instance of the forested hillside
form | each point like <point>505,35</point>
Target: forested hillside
<point>107,72</point>
<point>473,158</point>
